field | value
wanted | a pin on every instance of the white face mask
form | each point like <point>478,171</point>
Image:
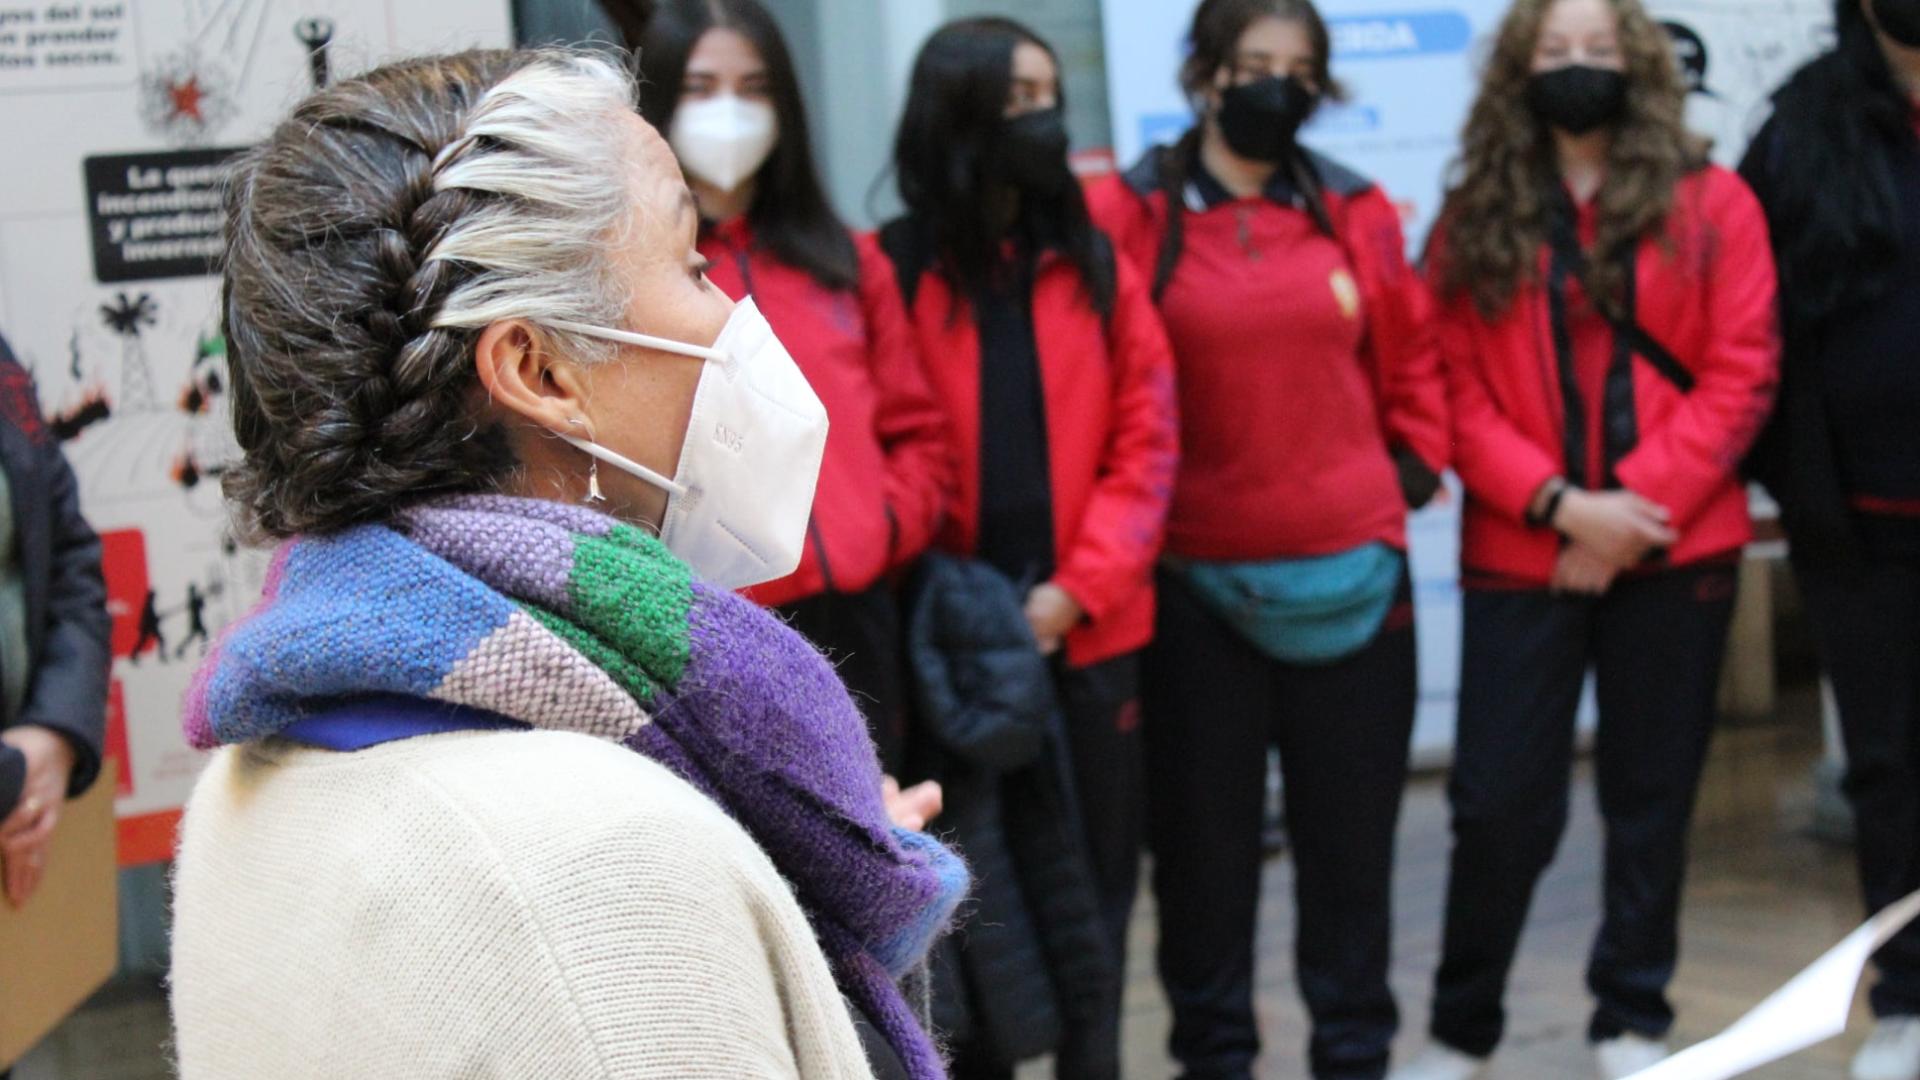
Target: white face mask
<point>740,499</point>
<point>723,140</point>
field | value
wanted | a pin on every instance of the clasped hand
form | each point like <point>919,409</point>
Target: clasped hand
<point>1609,531</point>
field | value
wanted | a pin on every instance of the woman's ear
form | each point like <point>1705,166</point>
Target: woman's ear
<point>524,378</point>
<point>1209,99</point>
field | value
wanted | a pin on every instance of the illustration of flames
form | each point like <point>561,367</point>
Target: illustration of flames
<point>185,471</point>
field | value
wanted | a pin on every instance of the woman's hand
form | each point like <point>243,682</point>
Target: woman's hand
<point>49,767</point>
<point>1617,526</point>
<point>26,831</point>
<point>22,865</point>
<point>1583,572</point>
<point>1051,612</point>
<point>913,808</point>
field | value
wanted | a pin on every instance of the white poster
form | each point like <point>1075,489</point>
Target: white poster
<point>1411,71</point>
<point>1735,54</point>
<point>118,116</point>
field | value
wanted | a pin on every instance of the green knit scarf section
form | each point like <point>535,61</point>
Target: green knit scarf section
<point>631,605</point>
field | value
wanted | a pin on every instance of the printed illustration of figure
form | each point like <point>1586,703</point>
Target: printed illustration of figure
<point>149,630</point>
<point>196,621</point>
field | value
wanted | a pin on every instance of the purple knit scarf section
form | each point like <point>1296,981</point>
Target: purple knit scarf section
<point>763,725</point>
<point>759,721</point>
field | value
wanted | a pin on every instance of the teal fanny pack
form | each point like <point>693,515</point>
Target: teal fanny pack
<point>1303,611</point>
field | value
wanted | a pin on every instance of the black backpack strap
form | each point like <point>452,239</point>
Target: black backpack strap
<point>1566,261</point>
<point>1304,168</point>
<point>1656,354</point>
<point>1565,245</point>
<point>1173,230</point>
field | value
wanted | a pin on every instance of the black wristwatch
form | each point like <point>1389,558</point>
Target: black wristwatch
<point>1544,518</point>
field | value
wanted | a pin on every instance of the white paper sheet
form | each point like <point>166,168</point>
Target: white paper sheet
<point>1810,1009</point>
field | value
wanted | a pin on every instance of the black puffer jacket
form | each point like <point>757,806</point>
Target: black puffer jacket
<point>1031,953</point>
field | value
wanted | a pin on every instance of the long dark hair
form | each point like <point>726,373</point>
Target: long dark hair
<point>1826,174</point>
<point>943,159</point>
<point>1211,44</point>
<point>790,214</point>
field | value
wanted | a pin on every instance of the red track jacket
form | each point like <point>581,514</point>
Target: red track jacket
<point>1111,436</point>
<point>1298,373</point>
<point>1704,290</point>
<point>884,478</point>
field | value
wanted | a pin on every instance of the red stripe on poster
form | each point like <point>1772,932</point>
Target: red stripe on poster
<point>148,838</point>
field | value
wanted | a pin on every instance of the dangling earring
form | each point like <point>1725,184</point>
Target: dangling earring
<point>593,483</point>
<point>593,471</point>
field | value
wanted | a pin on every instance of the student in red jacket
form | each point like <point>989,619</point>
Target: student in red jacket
<point>721,84</point>
<point>1314,416</point>
<point>1607,321</point>
<point>1054,371</point>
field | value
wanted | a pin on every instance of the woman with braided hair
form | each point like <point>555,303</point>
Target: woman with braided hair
<point>509,781</point>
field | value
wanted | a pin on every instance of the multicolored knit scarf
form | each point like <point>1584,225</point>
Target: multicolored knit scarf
<point>561,618</point>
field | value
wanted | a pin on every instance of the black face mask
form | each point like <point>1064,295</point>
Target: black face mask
<point>1260,119</point>
<point>1576,98</point>
<point>1033,152</point>
<point>1899,20</point>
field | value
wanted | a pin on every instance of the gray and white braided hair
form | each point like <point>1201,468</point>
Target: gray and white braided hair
<point>369,240</point>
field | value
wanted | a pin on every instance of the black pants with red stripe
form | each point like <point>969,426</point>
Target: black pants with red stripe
<point>1214,704</point>
<point>860,633</point>
<point>1655,644</point>
<point>1866,619</point>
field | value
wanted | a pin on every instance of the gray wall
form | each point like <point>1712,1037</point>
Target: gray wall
<point>548,22</point>
<point>1072,27</point>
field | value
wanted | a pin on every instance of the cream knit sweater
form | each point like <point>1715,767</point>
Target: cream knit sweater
<point>481,905</point>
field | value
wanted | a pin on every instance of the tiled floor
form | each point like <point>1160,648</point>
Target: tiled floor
<point>1765,898</point>
<point>120,1035</point>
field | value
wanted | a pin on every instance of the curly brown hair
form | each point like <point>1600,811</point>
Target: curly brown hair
<point>1495,216</point>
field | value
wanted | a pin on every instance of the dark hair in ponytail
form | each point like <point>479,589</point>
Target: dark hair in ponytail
<point>1825,174</point>
<point>1212,41</point>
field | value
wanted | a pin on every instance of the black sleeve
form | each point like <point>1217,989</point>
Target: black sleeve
<point>1753,164</point>
<point>69,692</point>
<point>1418,481</point>
<point>1766,460</point>
<point>13,777</point>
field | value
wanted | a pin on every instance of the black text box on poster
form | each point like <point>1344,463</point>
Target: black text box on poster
<point>155,215</point>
